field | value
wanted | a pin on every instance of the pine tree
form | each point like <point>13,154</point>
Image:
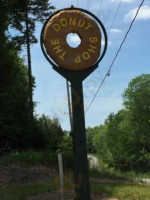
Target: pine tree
<point>25,14</point>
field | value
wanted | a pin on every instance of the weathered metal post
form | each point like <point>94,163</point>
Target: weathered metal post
<point>82,187</point>
<point>75,65</point>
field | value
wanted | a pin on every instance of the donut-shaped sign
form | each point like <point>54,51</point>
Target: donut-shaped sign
<point>56,32</point>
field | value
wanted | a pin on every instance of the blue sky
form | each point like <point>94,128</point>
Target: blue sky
<point>133,60</point>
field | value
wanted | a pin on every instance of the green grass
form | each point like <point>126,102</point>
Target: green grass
<point>22,191</point>
<point>29,158</point>
<point>114,174</point>
<point>46,158</point>
<point>122,191</point>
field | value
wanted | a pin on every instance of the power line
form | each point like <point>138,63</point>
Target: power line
<point>109,69</point>
<point>89,4</point>
<point>126,35</point>
<point>113,22</point>
<point>99,8</point>
<point>96,93</point>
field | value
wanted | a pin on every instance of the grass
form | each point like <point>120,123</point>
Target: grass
<point>49,158</point>
<point>119,190</point>
<point>122,191</point>
<point>22,191</point>
<point>46,158</point>
<point>114,174</point>
<point>29,158</point>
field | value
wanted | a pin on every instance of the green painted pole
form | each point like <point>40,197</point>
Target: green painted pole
<point>81,178</point>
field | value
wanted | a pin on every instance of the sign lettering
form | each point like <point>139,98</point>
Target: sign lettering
<point>72,21</point>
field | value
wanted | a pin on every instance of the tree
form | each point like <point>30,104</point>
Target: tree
<point>14,96</point>
<point>52,131</point>
<point>137,102</point>
<point>17,130</point>
<point>24,16</point>
<point>128,134</point>
<point>66,145</point>
<point>117,137</point>
<point>14,112</point>
<point>124,139</point>
<point>100,143</point>
<point>90,132</point>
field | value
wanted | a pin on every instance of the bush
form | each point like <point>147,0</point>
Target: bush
<point>30,158</point>
<point>47,158</point>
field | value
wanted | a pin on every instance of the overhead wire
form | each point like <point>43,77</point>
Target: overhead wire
<point>115,16</point>
<point>89,4</point>
<point>99,10</point>
<point>107,74</point>
<point>113,61</point>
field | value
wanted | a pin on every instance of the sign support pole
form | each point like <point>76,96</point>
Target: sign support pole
<point>82,187</point>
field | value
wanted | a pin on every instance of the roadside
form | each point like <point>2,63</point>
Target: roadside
<point>40,182</point>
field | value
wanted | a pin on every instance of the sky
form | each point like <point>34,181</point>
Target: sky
<point>134,59</point>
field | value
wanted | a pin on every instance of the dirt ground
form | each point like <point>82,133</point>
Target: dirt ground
<point>67,196</point>
<point>20,174</point>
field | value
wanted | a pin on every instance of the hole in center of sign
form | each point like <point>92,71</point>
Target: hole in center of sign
<point>73,40</point>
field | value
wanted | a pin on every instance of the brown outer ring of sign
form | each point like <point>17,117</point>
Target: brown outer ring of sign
<point>51,34</point>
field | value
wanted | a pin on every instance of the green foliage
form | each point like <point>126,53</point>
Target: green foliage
<point>47,158</point>
<point>89,136</point>
<point>68,160</point>
<point>137,102</point>
<point>113,174</point>
<point>100,143</point>
<point>13,95</point>
<point>18,130</point>
<point>109,173</point>
<point>30,158</point>
<point>123,141</point>
<point>52,131</point>
<point>66,144</point>
<point>117,138</point>
<point>16,13</point>
<point>66,148</point>
<point>24,15</point>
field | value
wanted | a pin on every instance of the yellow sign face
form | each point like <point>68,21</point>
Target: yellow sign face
<point>55,34</point>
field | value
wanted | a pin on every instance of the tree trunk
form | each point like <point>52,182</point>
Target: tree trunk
<point>29,67</point>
